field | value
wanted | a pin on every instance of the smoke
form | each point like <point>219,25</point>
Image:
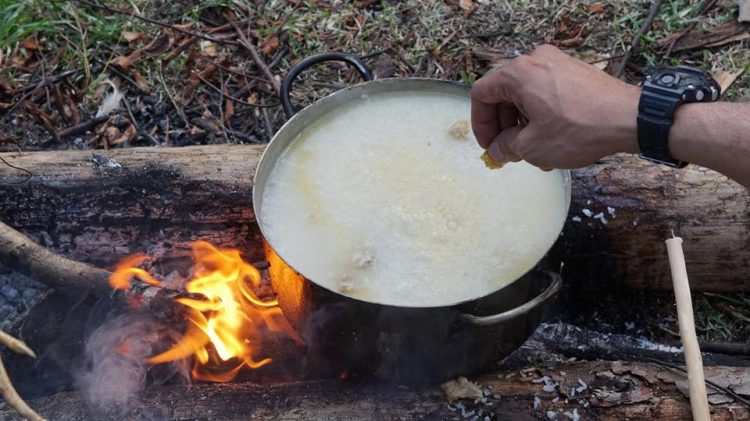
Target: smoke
<point>115,372</point>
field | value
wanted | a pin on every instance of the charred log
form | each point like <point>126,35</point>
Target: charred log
<point>19,253</point>
<point>98,207</point>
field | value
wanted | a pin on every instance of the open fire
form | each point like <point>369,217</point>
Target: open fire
<point>226,317</point>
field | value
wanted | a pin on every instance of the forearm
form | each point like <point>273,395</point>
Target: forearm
<point>578,114</point>
<point>714,135</point>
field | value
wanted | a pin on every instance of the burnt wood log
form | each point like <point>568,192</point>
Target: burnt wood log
<point>100,206</point>
<point>19,253</point>
<point>594,390</point>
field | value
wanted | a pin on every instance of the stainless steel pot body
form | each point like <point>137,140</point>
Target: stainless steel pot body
<point>418,344</point>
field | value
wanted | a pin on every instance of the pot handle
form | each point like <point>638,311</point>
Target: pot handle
<point>286,85</point>
<point>549,292</point>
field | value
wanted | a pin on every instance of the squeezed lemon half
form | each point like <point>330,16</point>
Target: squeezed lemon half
<point>489,162</point>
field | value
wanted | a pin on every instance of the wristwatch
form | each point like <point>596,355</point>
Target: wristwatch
<point>663,91</point>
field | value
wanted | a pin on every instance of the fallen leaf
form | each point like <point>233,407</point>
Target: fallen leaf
<point>595,8</point>
<point>140,81</point>
<point>435,52</point>
<point>59,102</point>
<point>1,57</point>
<point>5,86</point>
<point>726,79</point>
<point>17,60</point>
<point>209,48</point>
<point>228,112</point>
<point>158,46</point>
<point>133,37</point>
<point>126,136</point>
<point>109,133</point>
<point>29,43</point>
<point>44,118</point>
<point>184,26</point>
<point>5,105</point>
<point>71,105</point>
<point>570,42</point>
<point>191,84</point>
<point>187,71</point>
<point>253,98</point>
<point>270,46</point>
<point>184,45</point>
<point>124,62</point>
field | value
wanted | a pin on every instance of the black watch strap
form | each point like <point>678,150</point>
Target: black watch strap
<point>655,115</point>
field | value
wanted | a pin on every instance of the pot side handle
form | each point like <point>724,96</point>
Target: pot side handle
<point>548,293</point>
<point>286,85</point>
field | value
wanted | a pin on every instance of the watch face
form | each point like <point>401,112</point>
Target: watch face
<point>682,82</point>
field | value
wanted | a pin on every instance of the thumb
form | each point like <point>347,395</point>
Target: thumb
<point>503,147</point>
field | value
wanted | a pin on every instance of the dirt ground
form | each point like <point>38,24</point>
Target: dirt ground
<point>120,74</point>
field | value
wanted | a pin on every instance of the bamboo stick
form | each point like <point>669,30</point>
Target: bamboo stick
<point>693,359</point>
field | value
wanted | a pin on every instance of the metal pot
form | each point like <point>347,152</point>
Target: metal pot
<point>398,343</point>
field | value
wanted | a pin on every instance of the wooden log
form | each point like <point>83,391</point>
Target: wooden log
<point>99,206</point>
<point>708,210</point>
<point>594,390</point>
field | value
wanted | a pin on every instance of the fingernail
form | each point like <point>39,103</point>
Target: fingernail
<point>495,153</point>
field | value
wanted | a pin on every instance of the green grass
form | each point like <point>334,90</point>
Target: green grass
<point>714,325</point>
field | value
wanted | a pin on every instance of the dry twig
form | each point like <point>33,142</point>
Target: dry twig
<point>83,126</point>
<point>6,387</point>
<point>227,96</point>
<point>16,345</point>
<point>19,253</point>
<point>257,58</point>
<point>637,38</point>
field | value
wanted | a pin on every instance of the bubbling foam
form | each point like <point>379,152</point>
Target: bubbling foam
<point>384,201</point>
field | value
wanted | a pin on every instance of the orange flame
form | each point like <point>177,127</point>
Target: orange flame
<point>226,320</point>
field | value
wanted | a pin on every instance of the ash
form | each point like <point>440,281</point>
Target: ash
<point>17,293</point>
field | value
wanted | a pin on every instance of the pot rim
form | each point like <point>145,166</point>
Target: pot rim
<point>303,114</point>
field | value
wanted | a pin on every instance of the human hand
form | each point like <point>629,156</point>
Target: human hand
<point>577,113</point>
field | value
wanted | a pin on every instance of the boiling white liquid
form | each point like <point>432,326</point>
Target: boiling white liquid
<point>378,201</point>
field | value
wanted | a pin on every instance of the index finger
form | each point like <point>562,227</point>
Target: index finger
<point>492,108</point>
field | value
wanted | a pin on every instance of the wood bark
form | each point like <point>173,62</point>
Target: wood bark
<point>595,390</point>
<point>19,253</point>
<point>100,206</point>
